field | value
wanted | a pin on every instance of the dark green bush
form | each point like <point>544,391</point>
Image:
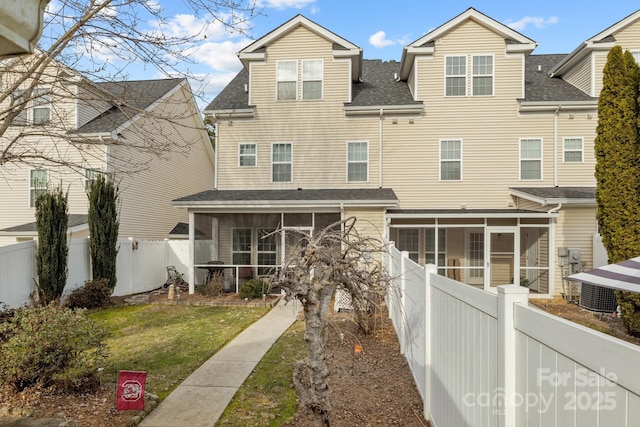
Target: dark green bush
<point>94,294</point>
<point>253,288</point>
<point>630,307</point>
<point>50,345</point>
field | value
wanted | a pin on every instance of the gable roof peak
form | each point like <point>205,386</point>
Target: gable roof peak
<point>342,48</point>
<point>515,42</point>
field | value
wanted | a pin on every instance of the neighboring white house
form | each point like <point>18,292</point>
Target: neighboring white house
<point>147,135</point>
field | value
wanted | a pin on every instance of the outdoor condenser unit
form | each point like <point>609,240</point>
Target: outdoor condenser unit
<point>597,298</point>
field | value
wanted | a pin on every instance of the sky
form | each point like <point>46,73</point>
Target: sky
<point>382,27</point>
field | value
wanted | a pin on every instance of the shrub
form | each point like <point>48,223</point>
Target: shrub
<point>103,228</point>
<point>94,294</point>
<point>50,345</point>
<point>214,287</point>
<point>51,254</point>
<point>630,308</point>
<point>253,288</point>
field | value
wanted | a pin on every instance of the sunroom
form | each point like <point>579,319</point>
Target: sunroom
<point>482,248</point>
<point>245,234</point>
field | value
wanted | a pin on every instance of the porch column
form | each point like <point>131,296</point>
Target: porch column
<point>192,251</point>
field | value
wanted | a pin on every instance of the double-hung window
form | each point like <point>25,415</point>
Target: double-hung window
<point>38,179</point>
<point>241,246</point>
<point>450,160</point>
<point>312,71</point>
<point>90,175</point>
<point>247,155</point>
<point>455,75</point>
<point>572,150</point>
<point>358,161</point>
<point>287,80</point>
<point>281,162</point>
<point>482,75</point>
<point>36,110</point>
<point>530,158</point>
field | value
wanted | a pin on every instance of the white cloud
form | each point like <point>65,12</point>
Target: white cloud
<point>536,21</point>
<point>380,40</point>
<point>314,9</point>
<point>220,56</point>
<point>284,4</point>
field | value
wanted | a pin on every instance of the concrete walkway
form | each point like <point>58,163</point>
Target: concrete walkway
<point>203,396</point>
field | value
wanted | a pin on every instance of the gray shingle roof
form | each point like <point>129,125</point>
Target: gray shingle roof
<point>301,195</point>
<point>75,220</point>
<point>539,87</point>
<point>567,193</point>
<point>138,95</point>
<point>233,96</point>
<point>379,87</point>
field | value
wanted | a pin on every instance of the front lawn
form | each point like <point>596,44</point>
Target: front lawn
<point>169,342</point>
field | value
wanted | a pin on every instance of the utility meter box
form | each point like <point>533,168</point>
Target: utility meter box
<point>573,258</point>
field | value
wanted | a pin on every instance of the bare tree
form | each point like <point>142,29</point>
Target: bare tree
<point>83,58</point>
<point>318,264</point>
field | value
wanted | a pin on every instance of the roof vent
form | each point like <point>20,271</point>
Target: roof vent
<point>539,68</point>
<point>246,87</point>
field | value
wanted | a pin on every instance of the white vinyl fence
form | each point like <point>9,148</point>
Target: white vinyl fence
<point>489,359</point>
<point>138,270</point>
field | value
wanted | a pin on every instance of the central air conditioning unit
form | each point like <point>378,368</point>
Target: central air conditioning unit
<point>597,298</point>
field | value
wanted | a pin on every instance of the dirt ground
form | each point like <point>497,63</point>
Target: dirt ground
<point>370,388</point>
<point>603,322</point>
<point>373,387</point>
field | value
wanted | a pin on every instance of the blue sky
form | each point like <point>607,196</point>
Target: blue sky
<point>382,27</point>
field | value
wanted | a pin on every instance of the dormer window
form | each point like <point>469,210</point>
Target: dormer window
<point>482,75</point>
<point>456,76</point>
<point>312,71</point>
<point>287,77</point>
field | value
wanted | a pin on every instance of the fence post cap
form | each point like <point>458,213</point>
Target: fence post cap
<point>512,289</point>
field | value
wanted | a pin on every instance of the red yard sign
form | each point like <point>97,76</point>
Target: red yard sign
<point>130,393</point>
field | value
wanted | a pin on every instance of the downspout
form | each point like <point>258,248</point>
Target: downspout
<point>555,146</point>
<point>216,129</point>
<point>380,148</point>
<point>556,209</point>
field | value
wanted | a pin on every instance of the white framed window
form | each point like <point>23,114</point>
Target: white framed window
<point>247,155</point>
<point>530,158</point>
<point>450,160</point>
<point>357,161</point>
<point>37,110</point>
<point>409,241</point>
<point>572,150</point>
<point>312,72</point>
<point>636,55</point>
<point>90,174</point>
<point>241,246</point>
<point>482,75</point>
<point>287,80</point>
<point>455,75</point>
<point>38,180</point>
<point>281,162</point>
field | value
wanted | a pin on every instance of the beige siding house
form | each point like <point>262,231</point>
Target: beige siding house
<point>472,152</point>
<point>151,149</point>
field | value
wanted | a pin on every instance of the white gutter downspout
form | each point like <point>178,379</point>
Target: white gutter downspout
<point>215,154</point>
<point>555,146</point>
<point>380,148</point>
<point>556,209</point>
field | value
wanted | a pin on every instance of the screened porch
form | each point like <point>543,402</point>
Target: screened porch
<point>481,251</point>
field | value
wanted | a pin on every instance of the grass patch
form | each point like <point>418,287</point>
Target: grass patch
<point>168,341</point>
<point>267,397</point>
